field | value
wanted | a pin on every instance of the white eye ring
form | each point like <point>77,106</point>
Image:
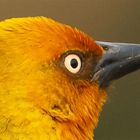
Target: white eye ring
<point>73,63</point>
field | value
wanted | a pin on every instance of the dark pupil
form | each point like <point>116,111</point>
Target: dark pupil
<point>74,63</point>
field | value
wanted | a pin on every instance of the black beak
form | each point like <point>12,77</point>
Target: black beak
<point>118,60</point>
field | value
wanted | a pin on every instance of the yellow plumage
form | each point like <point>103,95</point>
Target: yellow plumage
<point>38,101</point>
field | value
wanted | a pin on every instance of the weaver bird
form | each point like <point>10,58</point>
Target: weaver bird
<point>53,79</point>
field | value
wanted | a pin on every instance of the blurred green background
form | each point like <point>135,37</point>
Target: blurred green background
<point>107,20</point>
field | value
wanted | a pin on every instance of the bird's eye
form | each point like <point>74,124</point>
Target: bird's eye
<point>73,63</point>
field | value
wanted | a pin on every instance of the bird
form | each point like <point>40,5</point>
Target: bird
<point>54,79</point>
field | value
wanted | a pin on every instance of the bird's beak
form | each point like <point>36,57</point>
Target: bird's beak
<point>118,60</point>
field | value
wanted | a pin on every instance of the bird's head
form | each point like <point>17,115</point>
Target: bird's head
<point>64,72</point>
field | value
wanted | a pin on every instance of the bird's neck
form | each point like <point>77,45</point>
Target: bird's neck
<point>37,125</point>
<point>72,131</point>
<point>87,115</point>
<point>34,125</point>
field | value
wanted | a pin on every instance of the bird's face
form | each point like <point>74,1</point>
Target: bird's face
<point>63,71</point>
<point>50,66</point>
<point>63,85</point>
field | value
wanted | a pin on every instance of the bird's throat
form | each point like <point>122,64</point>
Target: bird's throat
<point>75,131</point>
